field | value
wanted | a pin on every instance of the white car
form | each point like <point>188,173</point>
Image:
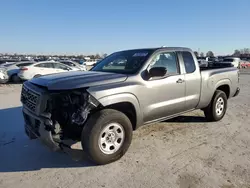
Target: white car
<point>73,64</point>
<point>90,62</point>
<point>14,68</point>
<point>235,61</point>
<point>4,78</point>
<point>43,68</point>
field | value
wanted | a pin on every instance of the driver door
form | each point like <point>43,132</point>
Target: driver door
<point>166,95</point>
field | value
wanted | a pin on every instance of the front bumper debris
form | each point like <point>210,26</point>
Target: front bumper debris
<point>35,128</point>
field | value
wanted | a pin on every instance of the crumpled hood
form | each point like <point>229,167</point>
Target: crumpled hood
<point>77,79</point>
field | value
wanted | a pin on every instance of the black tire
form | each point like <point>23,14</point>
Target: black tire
<point>37,75</point>
<point>210,110</point>
<point>92,131</point>
<point>15,78</point>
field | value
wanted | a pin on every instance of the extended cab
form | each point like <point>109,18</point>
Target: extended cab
<point>125,90</point>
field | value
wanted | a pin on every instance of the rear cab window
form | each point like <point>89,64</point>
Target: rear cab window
<point>188,62</point>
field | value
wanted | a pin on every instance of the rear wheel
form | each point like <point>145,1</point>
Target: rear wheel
<point>15,78</point>
<point>216,110</point>
<point>106,136</point>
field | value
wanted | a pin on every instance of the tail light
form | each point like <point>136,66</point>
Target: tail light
<point>23,68</point>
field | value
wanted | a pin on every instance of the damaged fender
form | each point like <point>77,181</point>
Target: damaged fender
<point>124,97</point>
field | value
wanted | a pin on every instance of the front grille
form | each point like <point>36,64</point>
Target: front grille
<point>29,98</point>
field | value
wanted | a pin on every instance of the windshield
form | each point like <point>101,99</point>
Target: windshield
<point>125,62</point>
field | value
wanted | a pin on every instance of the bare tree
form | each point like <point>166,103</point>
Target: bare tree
<point>97,56</point>
<point>196,53</point>
<point>246,51</point>
<point>81,56</point>
<point>210,54</point>
<point>202,54</point>
<point>236,53</point>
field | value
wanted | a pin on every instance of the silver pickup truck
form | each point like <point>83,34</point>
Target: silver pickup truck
<point>102,107</point>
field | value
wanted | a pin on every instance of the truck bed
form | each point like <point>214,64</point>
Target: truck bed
<point>213,77</point>
<point>216,66</point>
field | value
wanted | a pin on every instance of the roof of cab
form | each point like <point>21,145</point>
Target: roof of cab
<point>162,49</point>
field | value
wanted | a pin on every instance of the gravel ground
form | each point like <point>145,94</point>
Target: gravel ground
<point>184,152</point>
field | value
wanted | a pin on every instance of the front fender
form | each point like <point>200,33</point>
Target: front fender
<point>124,97</point>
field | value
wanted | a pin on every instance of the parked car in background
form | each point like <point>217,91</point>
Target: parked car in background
<point>74,65</point>
<point>235,61</point>
<point>43,68</point>
<point>90,62</point>
<point>6,61</point>
<point>245,63</point>
<point>4,78</point>
<point>14,68</point>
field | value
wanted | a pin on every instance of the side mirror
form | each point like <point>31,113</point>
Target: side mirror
<point>157,72</point>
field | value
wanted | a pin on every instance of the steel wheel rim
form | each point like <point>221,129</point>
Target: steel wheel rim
<point>111,138</point>
<point>219,108</point>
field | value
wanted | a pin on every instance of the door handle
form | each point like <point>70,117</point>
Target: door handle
<point>179,81</point>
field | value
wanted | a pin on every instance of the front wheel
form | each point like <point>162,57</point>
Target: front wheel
<point>106,136</point>
<point>216,110</point>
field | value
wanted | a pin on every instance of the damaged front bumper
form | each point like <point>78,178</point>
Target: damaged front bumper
<point>71,109</point>
<point>35,127</point>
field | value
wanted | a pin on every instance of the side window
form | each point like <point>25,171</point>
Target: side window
<point>188,62</point>
<point>39,65</point>
<point>60,66</point>
<point>167,60</point>
<point>69,63</point>
<point>44,65</point>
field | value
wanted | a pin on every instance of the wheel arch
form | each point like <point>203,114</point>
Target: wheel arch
<point>223,85</point>
<point>225,88</point>
<point>126,103</point>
